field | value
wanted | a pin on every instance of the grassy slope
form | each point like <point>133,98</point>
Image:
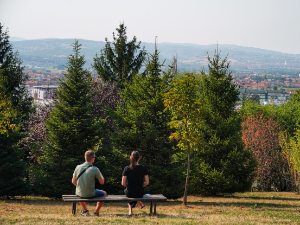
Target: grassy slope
<point>246,208</point>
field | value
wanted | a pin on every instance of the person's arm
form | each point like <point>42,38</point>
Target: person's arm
<point>74,181</point>
<point>124,178</point>
<point>146,177</point>
<point>101,180</point>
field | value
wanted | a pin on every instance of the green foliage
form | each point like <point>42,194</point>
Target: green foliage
<point>183,101</point>
<point>291,149</point>
<point>287,116</point>
<point>12,167</point>
<point>15,106</point>
<point>288,113</point>
<point>142,125</point>
<point>6,112</point>
<point>118,62</point>
<point>13,83</point>
<point>72,129</point>
<point>221,159</point>
<point>12,78</point>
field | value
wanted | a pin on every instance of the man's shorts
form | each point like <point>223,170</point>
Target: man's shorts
<point>99,193</point>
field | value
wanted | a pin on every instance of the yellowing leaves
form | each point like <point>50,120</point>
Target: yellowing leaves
<point>6,114</point>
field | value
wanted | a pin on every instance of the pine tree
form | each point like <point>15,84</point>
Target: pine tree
<point>142,125</point>
<point>12,166</point>
<point>221,164</point>
<point>118,61</point>
<point>72,129</point>
<point>13,171</point>
<point>13,77</point>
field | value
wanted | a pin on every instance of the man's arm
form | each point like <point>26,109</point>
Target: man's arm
<point>101,180</point>
<point>74,181</point>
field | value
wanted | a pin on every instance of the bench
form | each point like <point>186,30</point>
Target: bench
<point>116,198</point>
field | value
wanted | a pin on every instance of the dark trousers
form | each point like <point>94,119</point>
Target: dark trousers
<point>138,193</point>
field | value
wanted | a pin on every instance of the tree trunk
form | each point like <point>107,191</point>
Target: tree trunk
<point>187,177</point>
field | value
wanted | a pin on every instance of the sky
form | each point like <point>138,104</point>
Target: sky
<point>266,24</point>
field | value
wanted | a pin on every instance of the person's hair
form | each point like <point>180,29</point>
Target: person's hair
<point>89,155</point>
<point>135,155</point>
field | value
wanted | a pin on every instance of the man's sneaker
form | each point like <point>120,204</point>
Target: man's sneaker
<point>96,214</point>
<point>85,213</point>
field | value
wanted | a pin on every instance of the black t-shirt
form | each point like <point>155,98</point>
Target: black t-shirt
<point>135,176</point>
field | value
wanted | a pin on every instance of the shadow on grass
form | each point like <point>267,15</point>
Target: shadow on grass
<point>231,204</point>
<point>148,215</point>
<point>263,198</point>
<point>221,203</point>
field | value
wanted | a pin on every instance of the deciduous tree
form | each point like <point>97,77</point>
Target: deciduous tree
<point>183,101</point>
<point>261,136</point>
<point>6,112</point>
<point>291,151</point>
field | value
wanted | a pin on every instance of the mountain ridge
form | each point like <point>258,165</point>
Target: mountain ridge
<point>191,57</point>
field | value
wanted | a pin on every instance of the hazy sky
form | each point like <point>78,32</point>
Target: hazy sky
<point>267,24</point>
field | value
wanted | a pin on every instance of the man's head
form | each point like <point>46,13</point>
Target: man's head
<point>89,156</point>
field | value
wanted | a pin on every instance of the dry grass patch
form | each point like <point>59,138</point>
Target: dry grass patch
<point>239,208</point>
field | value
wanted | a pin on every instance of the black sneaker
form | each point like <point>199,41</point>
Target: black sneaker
<point>85,213</point>
<point>96,214</point>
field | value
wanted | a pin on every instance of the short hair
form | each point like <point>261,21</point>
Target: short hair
<point>89,155</point>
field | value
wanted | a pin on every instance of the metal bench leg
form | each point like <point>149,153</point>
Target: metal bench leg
<point>74,208</point>
<point>154,208</point>
<point>151,207</point>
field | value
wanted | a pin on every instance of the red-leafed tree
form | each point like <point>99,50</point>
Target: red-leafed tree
<point>261,135</point>
<point>36,128</point>
<point>105,97</point>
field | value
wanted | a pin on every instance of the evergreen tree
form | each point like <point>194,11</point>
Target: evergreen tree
<point>105,99</point>
<point>15,96</point>
<point>221,164</point>
<point>13,78</point>
<point>72,129</point>
<point>12,166</point>
<point>118,61</point>
<point>142,125</point>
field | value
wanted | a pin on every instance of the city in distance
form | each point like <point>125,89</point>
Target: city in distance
<point>254,70</point>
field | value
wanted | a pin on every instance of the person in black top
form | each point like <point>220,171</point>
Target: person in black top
<point>135,178</point>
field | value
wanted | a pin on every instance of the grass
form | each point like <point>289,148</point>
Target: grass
<point>239,208</point>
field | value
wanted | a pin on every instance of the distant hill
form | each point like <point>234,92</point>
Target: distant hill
<point>16,39</point>
<point>53,53</point>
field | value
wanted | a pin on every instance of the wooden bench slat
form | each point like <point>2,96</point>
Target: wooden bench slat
<point>115,198</point>
<point>111,198</point>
